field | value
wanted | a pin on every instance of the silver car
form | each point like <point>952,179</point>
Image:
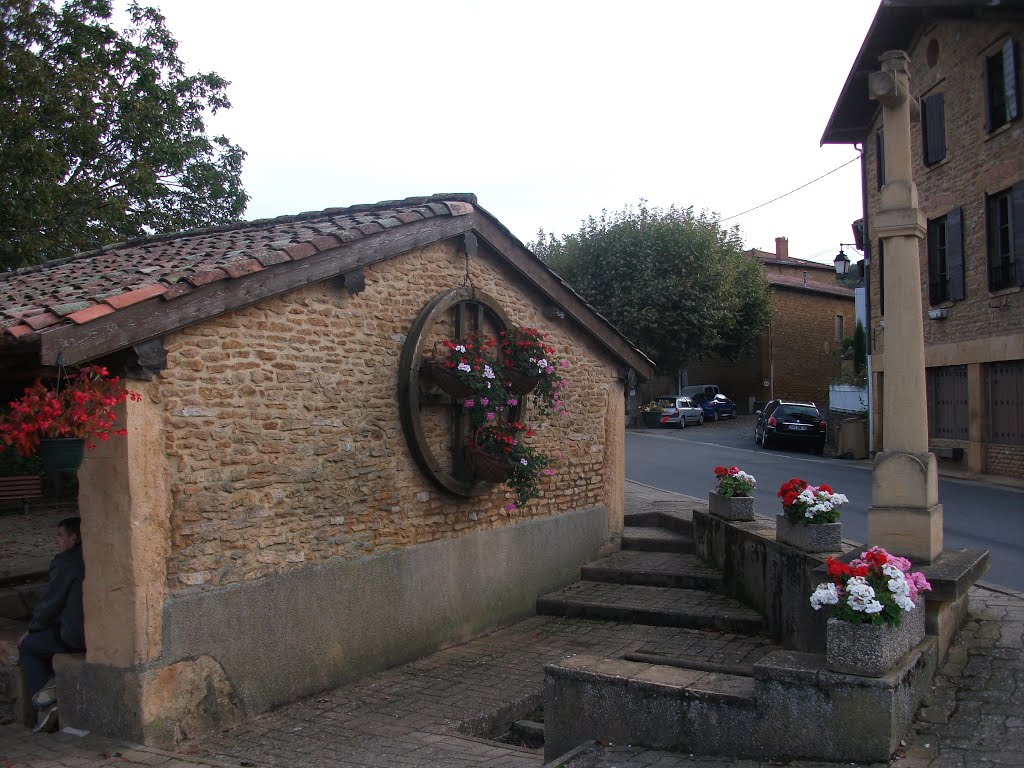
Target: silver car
<point>680,411</point>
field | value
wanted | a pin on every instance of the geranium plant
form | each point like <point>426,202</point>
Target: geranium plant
<point>876,588</point>
<point>81,405</point>
<point>733,481</point>
<point>808,504</point>
<point>470,363</point>
<point>504,440</point>
<point>525,350</point>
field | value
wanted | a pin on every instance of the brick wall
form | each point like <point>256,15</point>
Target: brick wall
<point>803,342</point>
<point>985,326</point>
<point>283,433</point>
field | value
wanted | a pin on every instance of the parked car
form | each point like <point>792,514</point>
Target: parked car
<point>680,411</point>
<point>693,390</point>
<point>716,407</point>
<point>783,422</point>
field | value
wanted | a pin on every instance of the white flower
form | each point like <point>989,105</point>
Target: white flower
<point>861,597</point>
<point>488,373</point>
<point>542,364</point>
<point>873,607</point>
<point>825,594</point>
<point>460,348</point>
<point>904,602</point>
<point>524,462</point>
<point>464,367</point>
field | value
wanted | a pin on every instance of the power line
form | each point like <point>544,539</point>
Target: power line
<point>762,205</point>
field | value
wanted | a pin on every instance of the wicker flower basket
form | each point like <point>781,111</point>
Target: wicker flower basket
<point>489,468</point>
<point>520,383</point>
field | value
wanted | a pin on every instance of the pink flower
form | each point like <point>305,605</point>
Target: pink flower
<point>510,507</point>
<point>549,369</point>
<point>490,417</point>
<point>513,401</point>
<point>548,472</point>
<point>467,403</point>
<point>565,364</point>
<point>484,401</point>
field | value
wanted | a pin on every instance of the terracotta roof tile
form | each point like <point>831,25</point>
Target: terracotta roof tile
<point>85,286</point>
<point>123,300</point>
<point>93,312</point>
<point>20,330</point>
<point>41,320</point>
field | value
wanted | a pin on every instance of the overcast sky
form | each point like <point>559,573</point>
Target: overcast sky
<point>548,111</point>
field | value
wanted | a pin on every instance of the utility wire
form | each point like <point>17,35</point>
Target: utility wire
<point>762,205</point>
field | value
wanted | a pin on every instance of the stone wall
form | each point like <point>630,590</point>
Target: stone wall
<point>282,426</point>
<point>985,326</point>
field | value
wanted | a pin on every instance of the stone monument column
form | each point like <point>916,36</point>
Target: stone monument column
<point>905,515</point>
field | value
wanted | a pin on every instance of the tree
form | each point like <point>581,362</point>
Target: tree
<point>860,349</point>
<point>673,281</point>
<point>102,133</point>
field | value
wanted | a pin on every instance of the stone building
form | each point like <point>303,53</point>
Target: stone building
<point>288,510</point>
<point>968,165</point>
<point>797,355</point>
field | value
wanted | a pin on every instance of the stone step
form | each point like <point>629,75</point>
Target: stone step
<point>656,540</point>
<point>672,521</point>
<point>706,651</point>
<point>658,606</point>
<point>657,569</point>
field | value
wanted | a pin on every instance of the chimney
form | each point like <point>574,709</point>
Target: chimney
<point>781,248</point>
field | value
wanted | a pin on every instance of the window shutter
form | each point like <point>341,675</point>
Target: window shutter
<point>1017,229</point>
<point>988,96</point>
<point>1010,80</point>
<point>955,254</point>
<point>881,277</point>
<point>933,128</point>
<point>880,158</point>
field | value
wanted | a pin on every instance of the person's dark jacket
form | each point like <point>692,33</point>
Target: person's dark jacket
<point>61,605</point>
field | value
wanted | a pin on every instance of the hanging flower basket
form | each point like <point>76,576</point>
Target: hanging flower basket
<point>489,468</point>
<point>520,383</point>
<point>446,380</point>
<point>61,454</point>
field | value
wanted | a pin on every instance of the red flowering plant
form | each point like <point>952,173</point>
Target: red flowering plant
<point>808,504</point>
<point>470,362</point>
<point>525,351</point>
<point>876,588</point>
<point>733,481</point>
<point>80,406</point>
<point>504,440</point>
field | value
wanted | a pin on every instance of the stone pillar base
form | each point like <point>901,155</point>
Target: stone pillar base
<point>905,515</point>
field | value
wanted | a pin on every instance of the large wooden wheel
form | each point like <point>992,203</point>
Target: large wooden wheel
<point>452,314</point>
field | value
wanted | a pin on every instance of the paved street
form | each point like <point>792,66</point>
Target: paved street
<point>978,515</point>
<point>438,711</point>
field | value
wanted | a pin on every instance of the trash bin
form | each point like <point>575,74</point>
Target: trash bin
<point>853,438</point>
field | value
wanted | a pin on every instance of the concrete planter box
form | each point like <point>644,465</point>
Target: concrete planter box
<point>872,650</point>
<point>739,508</point>
<point>813,537</point>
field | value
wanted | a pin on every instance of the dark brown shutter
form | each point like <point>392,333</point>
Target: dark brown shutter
<point>880,158</point>
<point>1017,229</point>
<point>933,128</point>
<point>1010,80</point>
<point>955,254</point>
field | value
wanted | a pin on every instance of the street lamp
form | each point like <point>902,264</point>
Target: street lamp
<point>842,261</point>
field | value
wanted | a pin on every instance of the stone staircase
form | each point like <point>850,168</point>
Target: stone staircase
<point>721,685</point>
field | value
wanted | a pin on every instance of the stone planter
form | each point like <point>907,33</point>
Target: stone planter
<point>872,650</point>
<point>814,537</point>
<point>652,419</point>
<point>740,508</point>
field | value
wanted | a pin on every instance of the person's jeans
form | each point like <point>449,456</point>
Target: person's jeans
<point>36,657</point>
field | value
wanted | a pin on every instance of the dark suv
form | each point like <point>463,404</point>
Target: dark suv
<point>783,422</point>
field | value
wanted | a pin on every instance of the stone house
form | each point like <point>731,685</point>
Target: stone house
<point>796,356</point>
<point>968,166</point>
<point>289,509</point>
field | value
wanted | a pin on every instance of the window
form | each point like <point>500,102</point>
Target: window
<point>880,158</point>
<point>1005,394</point>
<point>946,258</point>
<point>839,327</point>
<point>1001,105</point>
<point>1004,223</point>
<point>947,402</point>
<point>933,128</point>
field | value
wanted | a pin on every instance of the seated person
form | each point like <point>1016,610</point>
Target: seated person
<point>57,624</point>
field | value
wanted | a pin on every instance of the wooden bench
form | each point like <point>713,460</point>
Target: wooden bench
<point>23,487</point>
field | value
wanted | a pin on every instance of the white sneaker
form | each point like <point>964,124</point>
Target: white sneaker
<point>47,720</point>
<point>46,695</point>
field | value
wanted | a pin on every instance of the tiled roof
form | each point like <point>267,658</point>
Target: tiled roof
<point>90,285</point>
<point>783,281</point>
<point>767,256</point>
